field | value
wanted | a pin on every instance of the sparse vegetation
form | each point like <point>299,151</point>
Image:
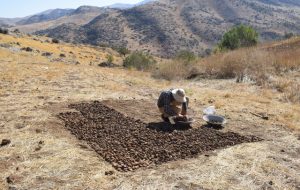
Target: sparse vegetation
<point>139,60</point>
<point>42,154</point>
<point>238,36</point>
<point>55,41</point>
<point>28,49</point>
<point>186,56</point>
<point>62,55</point>
<point>109,58</point>
<point>247,64</point>
<point>288,35</point>
<point>183,66</point>
<point>3,31</point>
<point>265,67</point>
<point>16,31</point>
<point>122,50</point>
<point>292,92</point>
<point>176,70</point>
<point>46,54</point>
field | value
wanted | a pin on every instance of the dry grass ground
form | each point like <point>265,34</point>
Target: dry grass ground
<point>274,66</point>
<point>43,155</point>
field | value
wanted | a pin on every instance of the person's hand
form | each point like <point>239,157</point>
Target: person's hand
<point>181,117</point>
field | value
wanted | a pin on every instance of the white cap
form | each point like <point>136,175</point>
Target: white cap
<point>179,95</point>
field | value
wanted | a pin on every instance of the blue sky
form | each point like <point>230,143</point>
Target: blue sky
<point>21,8</point>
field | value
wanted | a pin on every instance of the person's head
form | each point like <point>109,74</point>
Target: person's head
<point>179,95</point>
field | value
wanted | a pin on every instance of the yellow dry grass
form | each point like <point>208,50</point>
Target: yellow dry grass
<point>83,54</point>
<point>274,66</point>
<point>43,155</point>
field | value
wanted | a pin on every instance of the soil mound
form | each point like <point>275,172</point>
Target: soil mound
<point>129,144</point>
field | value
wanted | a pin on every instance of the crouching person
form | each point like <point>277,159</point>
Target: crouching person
<point>173,105</point>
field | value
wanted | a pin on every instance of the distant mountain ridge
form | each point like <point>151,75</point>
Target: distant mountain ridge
<point>128,6</point>
<point>45,16</point>
<point>33,22</point>
<point>165,27</point>
<point>168,26</point>
<point>8,22</point>
<point>80,16</point>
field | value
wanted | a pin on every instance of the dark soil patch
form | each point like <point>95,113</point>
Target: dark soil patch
<point>129,144</point>
<point>107,64</point>
<point>5,142</point>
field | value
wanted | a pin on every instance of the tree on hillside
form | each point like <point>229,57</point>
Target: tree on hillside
<point>288,35</point>
<point>3,31</point>
<point>186,56</point>
<point>239,36</point>
<point>122,51</point>
<point>139,60</point>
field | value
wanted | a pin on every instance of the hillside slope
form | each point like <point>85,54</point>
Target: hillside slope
<point>79,16</point>
<point>43,154</point>
<point>45,16</point>
<point>127,6</point>
<point>165,27</point>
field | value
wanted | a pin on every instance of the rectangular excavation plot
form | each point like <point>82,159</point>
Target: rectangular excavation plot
<point>129,144</point>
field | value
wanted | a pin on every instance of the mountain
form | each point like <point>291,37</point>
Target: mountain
<point>45,16</point>
<point>145,2</point>
<point>79,16</point>
<point>8,22</point>
<point>121,6</point>
<point>128,6</point>
<point>168,26</point>
<point>282,2</point>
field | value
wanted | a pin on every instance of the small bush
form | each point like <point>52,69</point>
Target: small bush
<point>186,56</point>
<point>55,41</point>
<point>292,93</point>
<point>62,55</point>
<point>122,50</point>
<point>245,64</point>
<point>208,52</point>
<point>183,66</point>
<point>176,70</point>
<point>239,36</point>
<point>46,54</point>
<point>28,49</point>
<point>289,88</point>
<point>288,35</point>
<point>3,31</point>
<point>16,31</point>
<point>139,60</point>
<point>109,58</point>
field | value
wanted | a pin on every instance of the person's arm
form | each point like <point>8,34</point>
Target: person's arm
<point>185,107</point>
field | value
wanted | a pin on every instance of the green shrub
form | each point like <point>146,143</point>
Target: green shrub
<point>3,31</point>
<point>16,31</point>
<point>183,66</point>
<point>176,70</point>
<point>238,36</point>
<point>139,60</point>
<point>109,58</point>
<point>55,41</point>
<point>122,50</point>
<point>288,35</point>
<point>186,56</point>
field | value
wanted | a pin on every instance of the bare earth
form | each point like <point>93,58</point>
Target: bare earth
<point>44,155</point>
